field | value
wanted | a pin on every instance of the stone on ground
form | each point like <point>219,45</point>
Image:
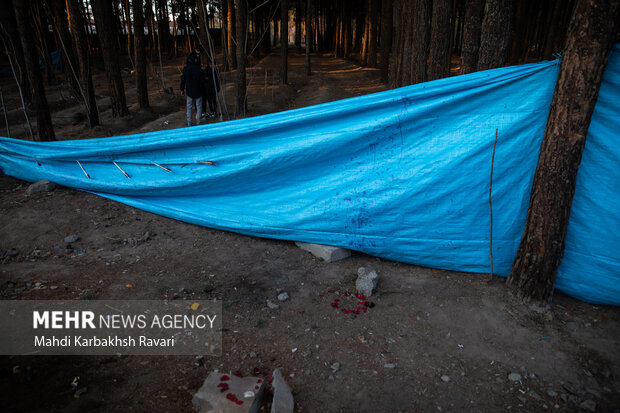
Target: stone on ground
<point>210,399</point>
<point>366,281</point>
<point>325,252</point>
<point>41,186</point>
<point>283,401</point>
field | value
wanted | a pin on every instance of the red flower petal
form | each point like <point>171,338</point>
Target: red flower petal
<point>255,387</point>
<point>224,377</point>
<point>259,381</point>
<point>331,291</point>
<point>238,401</point>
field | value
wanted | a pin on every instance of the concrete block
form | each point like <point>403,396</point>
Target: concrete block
<point>325,252</point>
<point>211,399</point>
<point>41,186</point>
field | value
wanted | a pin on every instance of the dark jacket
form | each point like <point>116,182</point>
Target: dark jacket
<point>211,86</point>
<point>192,80</point>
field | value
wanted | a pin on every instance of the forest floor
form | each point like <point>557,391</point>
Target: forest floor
<point>434,341</point>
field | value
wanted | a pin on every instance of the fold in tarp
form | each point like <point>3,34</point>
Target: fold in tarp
<point>402,174</point>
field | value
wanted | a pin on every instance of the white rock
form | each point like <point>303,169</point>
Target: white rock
<point>366,281</point>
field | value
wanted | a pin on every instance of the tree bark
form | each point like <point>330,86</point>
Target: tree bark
<point>471,35</point>
<point>495,34</point>
<point>589,41</point>
<point>421,38</point>
<point>23,12</point>
<point>386,38</point>
<point>225,47</point>
<point>232,32</point>
<point>9,29</point>
<point>241,78</point>
<point>298,25</point>
<point>139,48</point>
<point>439,51</point>
<point>308,35</point>
<point>372,33</point>
<point>397,31</point>
<point>61,25</point>
<point>78,33</point>
<point>42,27</point>
<point>104,20</point>
<point>202,25</point>
<point>284,42</point>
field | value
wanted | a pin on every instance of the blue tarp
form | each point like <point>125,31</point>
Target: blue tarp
<point>402,174</point>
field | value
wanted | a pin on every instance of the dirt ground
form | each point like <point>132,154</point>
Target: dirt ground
<point>433,341</point>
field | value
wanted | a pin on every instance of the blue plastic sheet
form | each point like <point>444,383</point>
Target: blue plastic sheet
<point>402,174</point>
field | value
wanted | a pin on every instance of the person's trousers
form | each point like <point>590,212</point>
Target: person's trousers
<point>190,104</point>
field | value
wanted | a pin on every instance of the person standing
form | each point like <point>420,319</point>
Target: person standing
<point>192,84</point>
<point>211,89</point>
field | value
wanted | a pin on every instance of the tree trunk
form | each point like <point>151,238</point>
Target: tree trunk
<point>589,41</point>
<point>284,42</point>
<point>42,28</point>
<point>348,33</point>
<point>241,79</point>
<point>78,33</point>
<point>439,51</point>
<point>61,26</point>
<point>372,33</point>
<point>495,34</point>
<point>104,20</point>
<point>471,35</point>
<point>308,35</point>
<point>397,31</point>
<point>9,29</point>
<point>163,24</point>
<point>225,46</point>
<point>421,38</point>
<point>130,50</point>
<point>232,32</point>
<point>298,25</point>
<point>23,12</point>
<point>386,38</point>
<point>139,48</point>
<point>366,28</point>
<point>202,25</point>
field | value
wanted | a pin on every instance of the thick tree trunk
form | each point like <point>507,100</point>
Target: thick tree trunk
<point>386,38</point>
<point>23,12</point>
<point>495,34</point>
<point>241,14</point>
<point>232,32</point>
<point>284,42</point>
<point>308,35</point>
<point>439,51</point>
<point>14,43</point>
<point>106,27</point>
<point>78,33</point>
<point>590,39</point>
<point>139,48</point>
<point>471,35</point>
<point>421,39</point>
